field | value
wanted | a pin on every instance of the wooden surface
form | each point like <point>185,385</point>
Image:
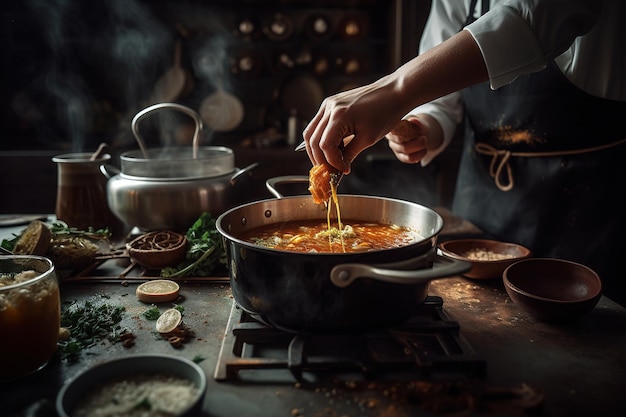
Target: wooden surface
<point>580,367</point>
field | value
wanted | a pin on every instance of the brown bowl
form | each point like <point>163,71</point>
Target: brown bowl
<point>552,289</point>
<point>158,249</point>
<point>489,258</point>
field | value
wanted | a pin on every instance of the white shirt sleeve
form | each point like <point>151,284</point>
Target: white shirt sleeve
<point>520,36</point>
<point>448,111</point>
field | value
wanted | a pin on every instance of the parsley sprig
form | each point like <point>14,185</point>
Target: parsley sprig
<point>206,250</point>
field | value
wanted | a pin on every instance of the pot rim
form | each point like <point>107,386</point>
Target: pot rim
<point>220,152</point>
<point>81,158</point>
<point>211,162</point>
<point>177,179</point>
<point>230,236</point>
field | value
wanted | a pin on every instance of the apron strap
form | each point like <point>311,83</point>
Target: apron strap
<point>470,14</point>
<point>484,8</point>
<point>499,163</point>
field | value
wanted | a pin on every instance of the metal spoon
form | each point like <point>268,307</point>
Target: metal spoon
<point>301,146</point>
<point>346,140</point>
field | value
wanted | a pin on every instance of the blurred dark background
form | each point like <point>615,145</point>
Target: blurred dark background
<point>75,73</point>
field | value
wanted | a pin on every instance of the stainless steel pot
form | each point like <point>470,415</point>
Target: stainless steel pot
<point>322,292</point>
<point>168,189</point>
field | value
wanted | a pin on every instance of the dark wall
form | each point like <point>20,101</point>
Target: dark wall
<point>76,73</point>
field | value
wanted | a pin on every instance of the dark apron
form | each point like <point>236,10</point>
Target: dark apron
<point>543,165</point>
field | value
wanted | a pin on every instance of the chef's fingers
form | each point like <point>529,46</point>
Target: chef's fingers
<point>332,145</point>
<point>324,136</point>
<point>411,151</point>
<point>309,133</point>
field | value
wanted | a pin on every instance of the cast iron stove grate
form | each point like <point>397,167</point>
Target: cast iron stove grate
<point>428,346</point>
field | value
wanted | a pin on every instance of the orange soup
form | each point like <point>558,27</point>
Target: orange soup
<point>315,236</point>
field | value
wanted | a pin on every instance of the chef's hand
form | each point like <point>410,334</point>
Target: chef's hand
<point>372,111</point>
<point>367,113</point>
<point>413,137</point>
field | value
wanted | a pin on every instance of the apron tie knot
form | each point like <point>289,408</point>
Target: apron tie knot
<point>499,164</point>
<point>500,159</point>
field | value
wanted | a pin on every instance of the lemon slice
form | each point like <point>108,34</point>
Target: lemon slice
<point>34,240</point>
<point>157,291</point>
<point>169,320</point>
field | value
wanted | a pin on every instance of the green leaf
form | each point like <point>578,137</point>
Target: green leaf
<point>205,253</point>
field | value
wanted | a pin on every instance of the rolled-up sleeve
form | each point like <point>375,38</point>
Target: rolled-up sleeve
<point>519,37</point>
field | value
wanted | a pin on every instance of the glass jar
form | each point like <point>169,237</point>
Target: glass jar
<point>30,314</point>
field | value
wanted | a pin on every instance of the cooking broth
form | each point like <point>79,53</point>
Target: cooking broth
<point>315,236</point>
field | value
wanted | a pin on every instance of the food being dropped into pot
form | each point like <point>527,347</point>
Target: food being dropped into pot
<point>320,185</point>
<point>314,236</point>
<point>323,183</point>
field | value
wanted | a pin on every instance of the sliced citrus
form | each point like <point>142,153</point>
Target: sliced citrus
<point>34,240</point>
<point>157,291</point>
<point>169,320</point>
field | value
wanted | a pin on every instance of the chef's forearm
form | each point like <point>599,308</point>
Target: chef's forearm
<point>451,66</point>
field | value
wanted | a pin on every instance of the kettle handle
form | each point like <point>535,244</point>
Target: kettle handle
<point>160,106</point>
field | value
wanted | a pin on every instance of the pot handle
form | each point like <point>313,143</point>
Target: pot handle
<point>271,183</point>
<point>134,125</point>
<point>242,171</point>
<point>109,171</point>
<point>344,274</point>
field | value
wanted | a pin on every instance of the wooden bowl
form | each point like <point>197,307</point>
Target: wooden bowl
<point>489,258</point>
<point>552,289</point>
<point>158,249</point>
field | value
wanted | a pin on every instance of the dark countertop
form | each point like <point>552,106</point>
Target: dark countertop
<point>580,367</point>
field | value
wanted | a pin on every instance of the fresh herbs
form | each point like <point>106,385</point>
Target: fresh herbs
<point>9,244</point>
<point>88,323</point>
<point>60,229</point>
<point>206,250</point>
<point>153,312</point>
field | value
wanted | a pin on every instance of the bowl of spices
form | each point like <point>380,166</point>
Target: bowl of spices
<point>135,385</point>
<point>489,258</point>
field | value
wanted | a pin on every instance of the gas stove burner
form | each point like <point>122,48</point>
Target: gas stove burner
<point>426,346</point>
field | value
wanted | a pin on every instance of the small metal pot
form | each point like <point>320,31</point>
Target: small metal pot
<point>327,292</point>
<point>174,204</point>
<point>168,189</point>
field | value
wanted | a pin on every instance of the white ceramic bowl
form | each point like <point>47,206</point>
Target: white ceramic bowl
<point>75,390</point>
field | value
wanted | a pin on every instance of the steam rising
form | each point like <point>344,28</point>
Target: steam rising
<point>90,49</point>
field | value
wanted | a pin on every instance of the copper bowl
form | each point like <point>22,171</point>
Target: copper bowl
<point>489,258</point>
<point>552,289</point>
